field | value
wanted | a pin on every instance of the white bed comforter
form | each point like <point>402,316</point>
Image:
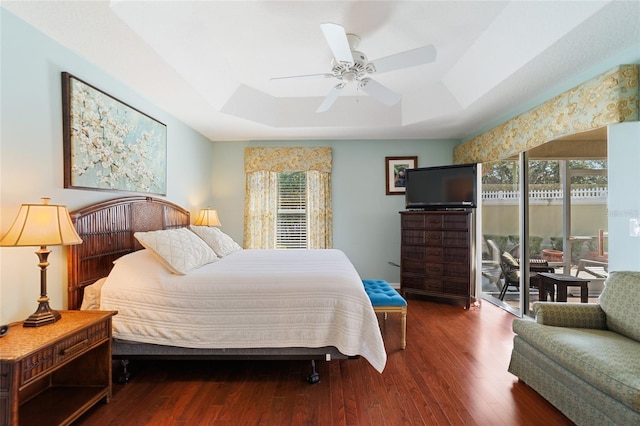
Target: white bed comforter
<point>249,299</point>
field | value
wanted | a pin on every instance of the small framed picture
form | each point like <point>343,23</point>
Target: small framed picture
<point>396,173</point>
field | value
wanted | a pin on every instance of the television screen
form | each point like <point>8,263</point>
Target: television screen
<point>441,187</point>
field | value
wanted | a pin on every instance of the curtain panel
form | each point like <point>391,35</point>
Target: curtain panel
<point>262,166</point>
<point>609,98</point>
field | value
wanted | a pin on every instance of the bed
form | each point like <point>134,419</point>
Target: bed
<point>266,304</point>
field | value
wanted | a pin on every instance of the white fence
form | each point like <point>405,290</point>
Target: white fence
<point>548,196</point>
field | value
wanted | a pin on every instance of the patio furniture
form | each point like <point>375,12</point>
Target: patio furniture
<point>511,271</point>
<point>595,268</point>
<point>548,281</point>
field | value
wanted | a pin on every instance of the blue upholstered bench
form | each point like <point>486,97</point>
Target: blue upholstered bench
<point>386,299</point>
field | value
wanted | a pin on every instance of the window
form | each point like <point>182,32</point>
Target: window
<point>288,198</point>
<point>291,219</point>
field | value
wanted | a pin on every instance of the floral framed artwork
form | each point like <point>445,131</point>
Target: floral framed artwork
<point>396,168</point>
<point>109,145</point>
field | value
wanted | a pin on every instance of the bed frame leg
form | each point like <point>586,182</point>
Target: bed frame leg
<point>125,375</point>
<point>314,377</point>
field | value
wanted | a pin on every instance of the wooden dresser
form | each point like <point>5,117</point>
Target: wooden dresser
<point>437,254</point>
<point>54,373</point>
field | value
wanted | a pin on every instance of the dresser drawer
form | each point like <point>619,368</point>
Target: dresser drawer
<point>433,269</point>
<point>460,222</point>
<point>412,221</point>
<point>421,283</point>
<point>459,287</point>
<point>433,221</point>
<point>413,253</point>
<point>455,255</point>
<point>456,270</point>
<point>433,238</point>
<point>413,236</point>
<point>434,254</point>
<point>455,238</point>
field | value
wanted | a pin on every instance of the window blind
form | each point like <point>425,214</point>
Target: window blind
<point>291,222</point>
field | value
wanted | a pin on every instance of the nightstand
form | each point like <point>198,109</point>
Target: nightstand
<point>54,373</point>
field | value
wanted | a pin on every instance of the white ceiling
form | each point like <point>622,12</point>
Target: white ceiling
<point>211,63</point>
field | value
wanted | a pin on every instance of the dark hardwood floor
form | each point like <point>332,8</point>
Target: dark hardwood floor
<point>453,372</point>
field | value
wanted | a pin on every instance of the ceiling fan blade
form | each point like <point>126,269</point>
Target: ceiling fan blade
<point>306,76</point>
<point>380,92</point>
<point>331,98</point>
<point>410,58</point>
<point>337,38</point>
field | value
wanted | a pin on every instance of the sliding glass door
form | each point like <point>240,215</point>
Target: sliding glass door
<point>500,224</point>
<point>562,220</point>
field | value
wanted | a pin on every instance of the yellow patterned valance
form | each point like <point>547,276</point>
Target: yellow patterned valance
<point>609,98</point>
<point>287,159</point>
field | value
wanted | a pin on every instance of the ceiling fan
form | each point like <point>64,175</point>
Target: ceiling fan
<point>352,66</point>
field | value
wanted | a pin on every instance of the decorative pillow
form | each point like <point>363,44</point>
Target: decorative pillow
<point>220,242</point>
<point>510,267</point>
<point>179,250</point>
<point>510,260</point>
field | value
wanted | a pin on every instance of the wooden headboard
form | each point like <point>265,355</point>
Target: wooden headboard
<point>107,229</point>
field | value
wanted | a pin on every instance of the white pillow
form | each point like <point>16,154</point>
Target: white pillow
<point>91,298</point>
<point>179,250</point>
<point>220,242</point>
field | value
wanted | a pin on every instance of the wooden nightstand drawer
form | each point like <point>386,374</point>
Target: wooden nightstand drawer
<point>98,332</point>
<point>70,347</point>
<point>36,365</point>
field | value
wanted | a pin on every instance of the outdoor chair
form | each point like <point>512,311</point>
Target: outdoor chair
<point>511,271</point>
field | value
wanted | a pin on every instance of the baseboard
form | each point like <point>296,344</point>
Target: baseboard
<point>395,285</point>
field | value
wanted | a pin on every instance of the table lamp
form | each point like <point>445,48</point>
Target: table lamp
<point>42,225</point>
<point>208,217</point>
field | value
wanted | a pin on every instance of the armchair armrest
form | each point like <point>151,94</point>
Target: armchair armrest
<point>576,315</point>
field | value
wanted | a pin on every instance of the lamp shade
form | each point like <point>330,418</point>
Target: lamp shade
<point>41,225</point>
<point>208,217</point>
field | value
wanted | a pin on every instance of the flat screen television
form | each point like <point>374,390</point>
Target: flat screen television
<point>444,187</point>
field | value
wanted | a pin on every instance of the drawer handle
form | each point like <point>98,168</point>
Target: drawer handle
<point>75,348</point>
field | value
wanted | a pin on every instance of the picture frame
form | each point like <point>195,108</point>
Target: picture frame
<point>394,168</point>
<point>109,145</point>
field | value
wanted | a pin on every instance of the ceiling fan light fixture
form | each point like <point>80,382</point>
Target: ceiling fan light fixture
<point>349,76</point>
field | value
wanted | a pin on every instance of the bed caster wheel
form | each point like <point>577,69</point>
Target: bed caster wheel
<point>313,379</point>
<point>125,375</point>
<point>124,378</point>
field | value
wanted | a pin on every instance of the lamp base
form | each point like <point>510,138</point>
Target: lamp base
<point>42,316</point>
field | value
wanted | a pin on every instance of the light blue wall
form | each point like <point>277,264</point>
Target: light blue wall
<point>31,162</point>
<point>624,196</point>
<point>366,223</point>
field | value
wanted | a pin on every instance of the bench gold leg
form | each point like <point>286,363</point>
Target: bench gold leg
<point>402,310</point>
<point>403,324</point>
